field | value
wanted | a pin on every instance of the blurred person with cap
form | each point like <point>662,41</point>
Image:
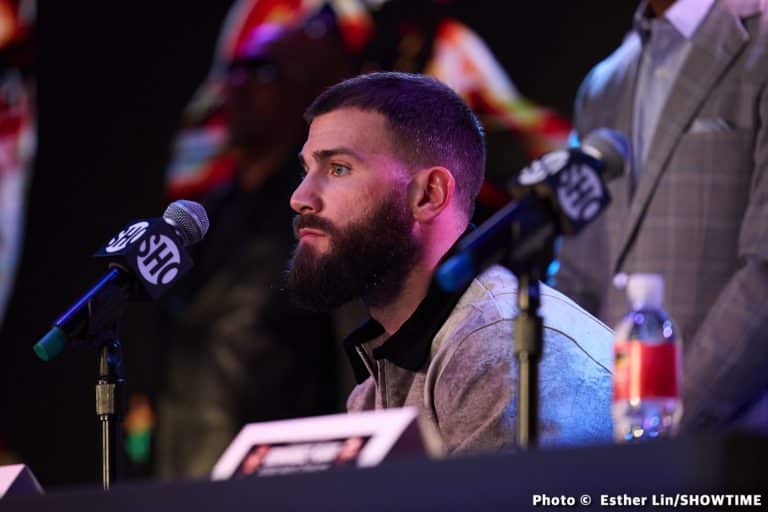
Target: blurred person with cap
<point>240,352</point>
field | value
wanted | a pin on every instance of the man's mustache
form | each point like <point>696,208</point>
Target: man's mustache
<point>312,221</point>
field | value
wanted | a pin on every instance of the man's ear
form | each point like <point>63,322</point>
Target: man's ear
<point>430,192</point>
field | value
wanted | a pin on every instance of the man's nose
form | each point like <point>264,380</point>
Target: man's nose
<point>306,197</point>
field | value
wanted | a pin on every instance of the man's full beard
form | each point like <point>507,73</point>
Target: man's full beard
<point>370,259</point>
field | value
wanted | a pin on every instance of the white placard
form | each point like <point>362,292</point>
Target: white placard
<point>310,444</point>
<point>18,480</point>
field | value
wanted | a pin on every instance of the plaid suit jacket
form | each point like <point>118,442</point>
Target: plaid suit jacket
<point>698,214</point>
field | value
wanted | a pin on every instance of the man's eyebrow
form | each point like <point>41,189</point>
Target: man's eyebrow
<point>325,154</point>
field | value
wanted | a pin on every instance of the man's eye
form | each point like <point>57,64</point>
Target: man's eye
<point>339,170</point>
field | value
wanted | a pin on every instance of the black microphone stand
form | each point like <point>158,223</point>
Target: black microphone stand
<point>102,317</point>
<point>152,258</point>
<point>533,227</point>
<point>529,262</point>
<point>110,408</point>
<point>529,342</point>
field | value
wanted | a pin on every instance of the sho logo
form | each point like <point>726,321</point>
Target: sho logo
<point>541,169</point>
<point>580,192</point>
<point>158,259</point>
<point>126,237</point>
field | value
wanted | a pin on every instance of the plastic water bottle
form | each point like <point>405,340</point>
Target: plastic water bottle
<point>646,378</point>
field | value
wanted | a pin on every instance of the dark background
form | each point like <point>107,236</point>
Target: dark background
<point>113,79</point>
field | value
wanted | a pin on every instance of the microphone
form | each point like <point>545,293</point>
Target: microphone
<point>559,193</point>
<point>147,256</point>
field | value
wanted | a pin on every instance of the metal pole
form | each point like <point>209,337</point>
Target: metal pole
<point>529,334</point>
<point>110,410</point>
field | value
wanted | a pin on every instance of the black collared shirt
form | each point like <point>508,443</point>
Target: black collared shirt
<point>409,347</point>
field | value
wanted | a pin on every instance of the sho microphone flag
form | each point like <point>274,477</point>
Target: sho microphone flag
<point>146,258</point>
<point>558,194</point>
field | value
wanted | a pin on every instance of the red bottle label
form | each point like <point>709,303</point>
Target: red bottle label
<point>644,370</point>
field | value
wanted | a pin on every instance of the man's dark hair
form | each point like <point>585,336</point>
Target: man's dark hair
<point>430,124</point>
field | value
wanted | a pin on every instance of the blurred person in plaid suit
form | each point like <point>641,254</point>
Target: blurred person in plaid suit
<point>688,85</point>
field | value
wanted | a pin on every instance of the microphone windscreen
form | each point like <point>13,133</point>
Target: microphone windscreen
<point>190,218</point>
<point>612,149</point>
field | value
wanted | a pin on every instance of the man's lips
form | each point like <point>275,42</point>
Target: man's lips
<point>309,232</point>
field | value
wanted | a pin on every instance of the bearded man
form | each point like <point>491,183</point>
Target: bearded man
<point>393,163</point>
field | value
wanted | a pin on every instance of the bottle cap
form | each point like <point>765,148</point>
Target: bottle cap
<point>645,290</point>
